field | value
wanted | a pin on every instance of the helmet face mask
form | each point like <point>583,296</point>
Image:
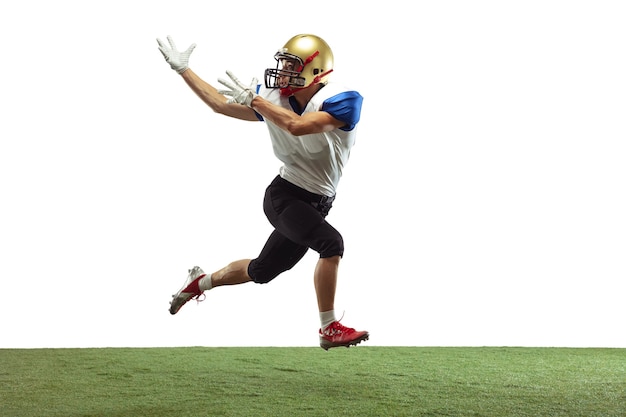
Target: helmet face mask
<point>305,60</point>
<point>286,73</point>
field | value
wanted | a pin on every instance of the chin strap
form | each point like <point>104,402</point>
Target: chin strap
<point>288,91</point>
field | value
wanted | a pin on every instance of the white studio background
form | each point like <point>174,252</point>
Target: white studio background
<point>483,205</point>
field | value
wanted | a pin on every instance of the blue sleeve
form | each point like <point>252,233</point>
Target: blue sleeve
<point>345,107</point>
<point>258,116</point>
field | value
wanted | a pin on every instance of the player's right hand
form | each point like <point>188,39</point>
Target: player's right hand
<point>179,61</point>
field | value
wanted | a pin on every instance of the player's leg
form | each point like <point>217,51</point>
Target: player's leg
<point>278,255</point>
<point>325,280</point>
<point>303,221</point>
<point>232,274</point>
<point>332,333</point>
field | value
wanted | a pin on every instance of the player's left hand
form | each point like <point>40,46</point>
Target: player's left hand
<point>237,91</point>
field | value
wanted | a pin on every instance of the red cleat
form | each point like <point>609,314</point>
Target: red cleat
<point>337,335</point>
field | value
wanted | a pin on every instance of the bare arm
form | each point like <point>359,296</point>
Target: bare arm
<point>215,100</point>
<point>308,123</point>
<point>179,61</point>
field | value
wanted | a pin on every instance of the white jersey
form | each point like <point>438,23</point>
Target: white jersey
<point>315,162</point>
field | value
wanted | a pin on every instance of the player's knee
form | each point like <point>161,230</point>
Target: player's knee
<point>261,273</point>
<point>332,247</point>
<point>263,278</point>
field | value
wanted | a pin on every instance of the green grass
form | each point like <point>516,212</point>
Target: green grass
<point>361,381</point>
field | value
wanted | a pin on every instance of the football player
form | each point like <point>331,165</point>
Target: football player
<point>312,125</point>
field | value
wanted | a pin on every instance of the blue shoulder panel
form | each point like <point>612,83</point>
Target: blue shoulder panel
<point>345,107</point>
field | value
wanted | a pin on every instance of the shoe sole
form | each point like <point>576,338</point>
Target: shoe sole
<point>182,301</point>
<point>325,344</point>
<point>176,308</point>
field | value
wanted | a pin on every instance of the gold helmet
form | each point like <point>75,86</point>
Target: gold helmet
<point>305,60</point>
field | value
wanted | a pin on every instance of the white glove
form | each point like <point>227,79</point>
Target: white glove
<point>238,92</point>
<point>179,61</point>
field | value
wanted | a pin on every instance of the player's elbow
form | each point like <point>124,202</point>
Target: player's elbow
<point>296,129</point>
<point>301,129</point>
